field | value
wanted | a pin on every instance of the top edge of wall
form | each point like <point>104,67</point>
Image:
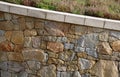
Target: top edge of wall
<point>60,16</point>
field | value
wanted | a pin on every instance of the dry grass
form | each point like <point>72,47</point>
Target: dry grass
<point>99,8</point>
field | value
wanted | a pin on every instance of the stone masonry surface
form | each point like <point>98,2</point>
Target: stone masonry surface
<point>32,47</point>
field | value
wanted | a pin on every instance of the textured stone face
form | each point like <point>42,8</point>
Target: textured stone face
<point>105,68</point>
<point>8,35</point>
<point>15,67</point>
<point>68,46</point>
<point>31,47</point>
<point>61,68</point>
<point>67,55</point>
<point>14,56</point>
<point>47,71</point>
<point>55,61</point>
<point>104,48</point>
<point>84,63</point>
<point>91,52</point>
<point>115,34</point>
<point>17,37</point>
<point>68,74</point>
<point>116,46</point>
<point>103,36</point>
<point>2,33</point>
<point>34,54</point>
<point>28,42</point>
<point>72,68</point>
<point>5,74</point>
<point>3,56</point>
<point>55,47</point>
<point>34,65</point>
<point>36,41</point>
<point>18,48</point>
<point>30,32</point>
<point>6,46</point>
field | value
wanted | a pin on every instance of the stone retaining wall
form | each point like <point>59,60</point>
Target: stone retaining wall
<point>31,47</point>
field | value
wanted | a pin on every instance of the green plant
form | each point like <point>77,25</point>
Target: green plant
<point>15,1</point>
<point>46,4</point>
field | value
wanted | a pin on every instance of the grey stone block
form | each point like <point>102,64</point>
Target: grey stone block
<point>55,16</point>
<point>75,19</point>
<point>18,10</point>
<point>112,24</point>
<point>94,22</point>
<point>4,7</point>
<point>34,12</point>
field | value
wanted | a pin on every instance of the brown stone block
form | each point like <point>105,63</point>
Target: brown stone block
<point>14,56</point>
<point>6,46</point>
<point>116,46</point>
<point>55,46</point>
<point>17,37</point>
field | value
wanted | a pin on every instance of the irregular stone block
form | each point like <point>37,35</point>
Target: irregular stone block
<point>6,46</point>
<point>85,75</point>
<point>30,24</point>
<point>70,74</point>
<point>116,45</point>
<point>28,42</point>
<point>103,36</point>
<point>54,29</point>
<point>79,49</point>
<point>4,65</point>
<point>15,67</point>
<point>3,56</point>
<point>2,32</point>
<point>18,48</point>
<point>68,46</point>
<point>8,16</point>
<point>62,39</point>
<point>34,54</point>
<point>67,55</point>
<point>2,39</point>
<point>23,74</point>
<point>104,48</point>
<point>92,52</point>
<point>80,30</point>
<point>30,32</point>
<point>72,68</point>
<point>55,61</point>
<point>115,34</point>
<point>34,65</point>
<point>55,46</point>
<point>17,37</point>
<point>84,63</point>
<point>8,35</point>
<point>61,68</point>
<point>14,56</point>
<point>6,25</point>
<point>91,40</point>
<point>36,41</point>
<point>47,71</point>
<point>104,68</point>
<point>5,74</point>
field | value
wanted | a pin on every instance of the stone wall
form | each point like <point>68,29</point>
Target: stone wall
<point>31,47</point>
